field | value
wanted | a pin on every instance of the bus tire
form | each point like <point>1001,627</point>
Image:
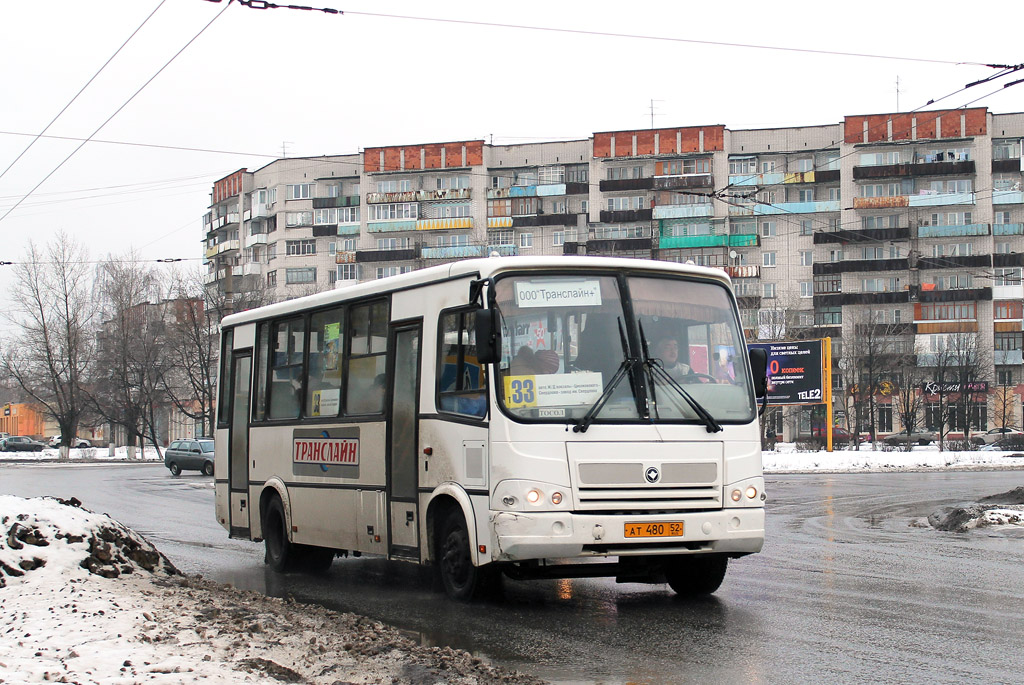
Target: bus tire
<point>693,576</point>
<point>460,578</point>
<point>279,553</point>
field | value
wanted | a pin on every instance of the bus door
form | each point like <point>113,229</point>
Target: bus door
<point>403,441</point>
<point>238,443</point>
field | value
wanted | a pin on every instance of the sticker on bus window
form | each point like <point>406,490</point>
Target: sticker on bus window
<point>326,402</point>
<point>578,293</point>
<point>550,390</point>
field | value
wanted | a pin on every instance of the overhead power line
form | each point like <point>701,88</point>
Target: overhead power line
<point>264,4</point>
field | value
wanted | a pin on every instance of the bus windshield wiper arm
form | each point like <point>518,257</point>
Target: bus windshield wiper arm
<point>625,368</point>
<point>655,369</point>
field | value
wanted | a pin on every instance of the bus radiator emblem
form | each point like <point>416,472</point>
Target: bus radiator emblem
<point>652,475</point>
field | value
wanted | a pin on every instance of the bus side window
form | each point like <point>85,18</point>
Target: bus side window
<point>461,380</point>
<point>367,360</point>
<point>287,339</point>
<point>262,355</point>
<point>323,379</point>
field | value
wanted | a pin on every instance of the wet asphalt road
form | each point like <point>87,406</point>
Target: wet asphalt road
<point>849,588</point>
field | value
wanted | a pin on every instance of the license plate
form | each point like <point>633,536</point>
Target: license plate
<point>654,529</point>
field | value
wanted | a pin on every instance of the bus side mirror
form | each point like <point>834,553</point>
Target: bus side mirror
<point>488,339</point>
<point>759,369</point>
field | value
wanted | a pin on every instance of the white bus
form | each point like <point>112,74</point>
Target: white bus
<point>541,417</point>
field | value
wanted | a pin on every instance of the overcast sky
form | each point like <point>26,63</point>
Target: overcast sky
<point>259,81</point>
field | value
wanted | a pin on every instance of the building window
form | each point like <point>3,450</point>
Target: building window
<point>806,227</point>
<point>619,173</point>
<point>619,204</point>
<point>272,279</point>
<point>806,164</point>
<point>452,182</point>
<point>558,238</point>
<point>767,229</point>
<point>298,276</point>
<point>1005,377</point>
<point>768,259</point>
<point>525,240</point>
<point>385,271</point>
<point>300,247</point>
<point>829,316</point>
<point>806,289</point>
<point>835,255</point>
<point>300,191</point>
<point>769,290</point>
<point>742,165</point>
<point>884,221</point>
<point>501,181</point>
<point>834,194</point>
<point>524,206</point>
<point>884,419</point>
<point>1008,341</point>
<point>577,173</point>
<point>948,311</point>
<point>805,195</point>
<point>394,185</point>
<point>394,243</point>
<point>347,272</point>
<point>395,210</point>
<point>293,219</point>
<point>806,257</point>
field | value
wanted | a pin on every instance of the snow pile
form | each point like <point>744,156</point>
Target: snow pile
<point>58,533</point>
<point>67,616</point>
<point>786,458</point>
<point>1004,509</point>
<point>85,454</point>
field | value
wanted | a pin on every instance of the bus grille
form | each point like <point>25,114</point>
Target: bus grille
<point>622,486</point>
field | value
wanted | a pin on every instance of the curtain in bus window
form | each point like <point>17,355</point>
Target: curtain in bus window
<point>287,340</point>
<point>323,379</point>
<point>366,362</point>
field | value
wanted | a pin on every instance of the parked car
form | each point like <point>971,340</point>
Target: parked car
<point>995,435</point>
<point>839,435</point>
<point>77,442</point>
<point>196,455</point>
<point>1011,442</point>
<point>20,443</point>
<point>916,438</point>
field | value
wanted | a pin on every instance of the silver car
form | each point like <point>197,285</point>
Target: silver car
<point>195,455</point>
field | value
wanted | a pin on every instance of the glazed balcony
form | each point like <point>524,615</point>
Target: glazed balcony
<point>625,216</point>
<point>952,231</point>
<point>785,208</point>
<point>910,170</point>
<point>453,252</point>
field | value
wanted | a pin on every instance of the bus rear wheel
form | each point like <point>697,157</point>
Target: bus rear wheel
<point>693,576</point>
<point>279,554</point>
<point>462,580</point>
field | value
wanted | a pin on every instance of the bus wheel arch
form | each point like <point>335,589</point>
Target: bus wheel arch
<point>445,499</point>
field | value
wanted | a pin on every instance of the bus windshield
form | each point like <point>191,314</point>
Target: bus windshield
<point>565,337</point>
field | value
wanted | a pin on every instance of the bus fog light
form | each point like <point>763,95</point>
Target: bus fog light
<point>736,495</point>
<point>556,498</point>
<point>533,496</point>
<point>751,492</point>
<point>508,501</point>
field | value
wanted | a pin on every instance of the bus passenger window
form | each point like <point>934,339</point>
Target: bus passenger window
<point>461,380</point>
<point>366,362</point>
<point>287,338</point>
<point>323,379</point>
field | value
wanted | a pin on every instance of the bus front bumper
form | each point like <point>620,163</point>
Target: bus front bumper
<point>521,536</point>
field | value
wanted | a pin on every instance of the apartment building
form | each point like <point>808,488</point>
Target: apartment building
<point>908,223</point>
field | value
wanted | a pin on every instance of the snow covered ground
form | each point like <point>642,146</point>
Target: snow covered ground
<point>85,600</point>
<point>84,454</point>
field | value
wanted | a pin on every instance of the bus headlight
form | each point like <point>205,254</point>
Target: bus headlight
<point>556,498</point>
<point>751,492</point>
<point>735,495</point>
<point>534,496</point>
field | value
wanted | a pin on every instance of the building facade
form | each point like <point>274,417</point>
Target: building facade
<point>905,226</point>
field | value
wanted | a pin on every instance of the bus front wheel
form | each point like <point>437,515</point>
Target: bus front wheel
<point>461,579</point>
<point>275,537</point>
<point>693,576</point>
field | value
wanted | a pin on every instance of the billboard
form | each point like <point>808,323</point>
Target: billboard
<point>795,371</point>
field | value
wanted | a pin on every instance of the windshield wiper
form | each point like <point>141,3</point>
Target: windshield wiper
<point>654,368</point>
<point>625,368</point>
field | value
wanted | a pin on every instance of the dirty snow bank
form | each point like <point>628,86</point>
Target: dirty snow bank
<point>1004,509</point>
<point>88,600</point>
<point>786,458</point>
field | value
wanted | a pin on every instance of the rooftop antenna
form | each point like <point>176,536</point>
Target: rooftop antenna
<point>653,112</point>
<point>284,147</point>
<point>897,92</point>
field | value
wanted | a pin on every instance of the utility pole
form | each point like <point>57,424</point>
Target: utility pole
<point>897,92</point>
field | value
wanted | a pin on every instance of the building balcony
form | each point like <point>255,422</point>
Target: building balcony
<point>453,252</point>
<point>387,255</point>
<point>1003,166</point>
<point>210,252</point>
<point>682,182</point>
<point>1007,357</point>
<point>252,269</point>
<point>865,235</point>
<point>345,257</point>
<point>325,230</point>
<point>258,239</point>
<point>1007,229</point>
<point>349,228</point>
<point>676,241</point>
<point>1007,197</point>
<point>859,266</point>
<point>544,220</point>
<point>392,226</point>
<point>617,245</point>
<point>785,208</point>
<point>625,216</point>
<point>919,200</point>
<point>908,170</point>
<point>975,261</point>
<point>444,224</point>
<point>627,184</point>
<point>952,231</point>
<point>228,246</point>
<point>503,250</point>
<point>745,271</point>
<point>956,295</point>
<point>419,196</point>
<point>748,301</point>
<point>682,211</point>
<point>1008,292</point>
<point>260,210</point>
<point>744,240</point>
<point>339,201</point>
<point>499,222</point>
<point>770,179</point>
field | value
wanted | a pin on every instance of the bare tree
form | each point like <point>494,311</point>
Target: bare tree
<point>972,371</point>
<point>131,359</point>
<point>908,397</point>
<point>870,354</point>
<point>1004,406</point>
<point>51,355</point>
